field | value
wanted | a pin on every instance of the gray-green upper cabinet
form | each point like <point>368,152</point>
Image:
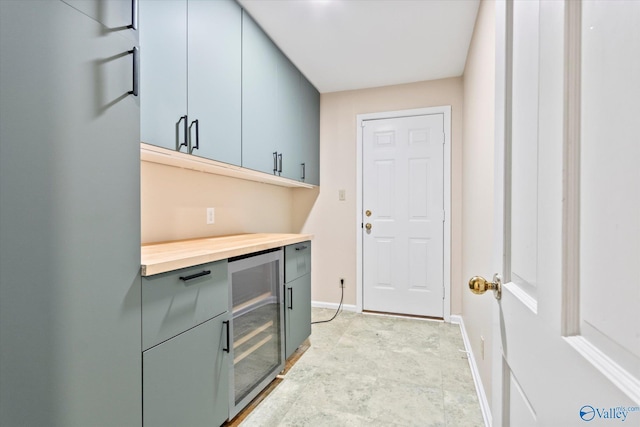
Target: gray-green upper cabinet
<point>163,73</point>
<point>191,76</point>
<point>289,108</point>
<point>310,132</point>
<point>260,124</point>
<point>215,79</point>
<point>280,110</point>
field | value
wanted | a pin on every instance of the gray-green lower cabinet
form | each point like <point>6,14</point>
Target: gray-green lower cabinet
<point>297,287</point>
<point>297,313</point>
<point>186,379</point>
<point>178,300</point>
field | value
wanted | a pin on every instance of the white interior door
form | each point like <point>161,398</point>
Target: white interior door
<point>567,328</point>
<point>403,218</point>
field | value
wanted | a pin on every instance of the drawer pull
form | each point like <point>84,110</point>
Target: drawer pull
<point>301,248</point>
<point>194,276</point>
<point>186,134</point>
<point>275,162</point>
<point>136,71</point>
<point>197,146</point>
<point>134,15</point>
<point>228,348</point>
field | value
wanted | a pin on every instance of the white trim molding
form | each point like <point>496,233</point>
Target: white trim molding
<point>482,396</point>
<point>623,379</point>
<point>333,306</point>
<point>445,110</point>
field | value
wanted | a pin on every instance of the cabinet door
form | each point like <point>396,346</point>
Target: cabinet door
<point>163,72</point>
<point>215,78</point>
<point>186,379</point>
<point>69,221</point>
<point>298,313</point>
<point>175,301</point>
<point>260,58</point>
<point>310,131</point>
<point>297,260</point>
<point>289,117</point>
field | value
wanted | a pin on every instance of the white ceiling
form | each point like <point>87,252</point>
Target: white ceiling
<point>354,44</point>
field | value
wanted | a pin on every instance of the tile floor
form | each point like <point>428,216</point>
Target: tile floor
<point>368,370</point>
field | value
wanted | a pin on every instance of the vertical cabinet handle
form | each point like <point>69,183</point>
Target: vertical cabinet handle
<point>290,298</point>
<point>275,162</point>
<point>228,347</point>
<point>136,70</point>
<point>186,133</point>
<point>304,171</point>
<point>197,146</point>
<point>134,15</point>
<point>279,163</point>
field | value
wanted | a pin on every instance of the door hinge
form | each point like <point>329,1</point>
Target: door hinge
<point>443,215</point>
<point>444,137</point>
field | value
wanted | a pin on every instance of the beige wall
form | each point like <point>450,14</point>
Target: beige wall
<point>174,202</point>
<point>477,184</point>
<point>334,222</point>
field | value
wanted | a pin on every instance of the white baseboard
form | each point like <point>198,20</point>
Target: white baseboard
<point>482,396</point>
<point>345,307</point>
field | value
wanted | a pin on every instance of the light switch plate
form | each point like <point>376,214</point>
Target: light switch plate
<point>211,216</point>
<point>341,195</point>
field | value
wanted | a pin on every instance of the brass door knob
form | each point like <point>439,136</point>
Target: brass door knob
<point>479,285</point>
<point>367,226</point>
<point>367,212</point>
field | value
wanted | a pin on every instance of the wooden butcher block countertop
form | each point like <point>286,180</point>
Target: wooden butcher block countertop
<point>162,257</point>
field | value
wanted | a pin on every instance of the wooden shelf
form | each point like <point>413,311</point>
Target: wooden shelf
<point>252,302</point>
<point>238,342</point>
<point>163,156</point>
<point>255,347</point>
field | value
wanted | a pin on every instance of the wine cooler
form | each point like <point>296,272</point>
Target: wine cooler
<point>257,327</point>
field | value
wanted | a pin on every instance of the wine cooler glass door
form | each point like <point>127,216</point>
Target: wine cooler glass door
<point>257,326</point>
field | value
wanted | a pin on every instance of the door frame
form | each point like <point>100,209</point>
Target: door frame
<point>445,110</point>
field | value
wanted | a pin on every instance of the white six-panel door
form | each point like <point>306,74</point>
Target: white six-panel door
<point>567,209</point>
<point>403,190</point>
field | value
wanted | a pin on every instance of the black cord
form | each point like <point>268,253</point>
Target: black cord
<point>337,311</point>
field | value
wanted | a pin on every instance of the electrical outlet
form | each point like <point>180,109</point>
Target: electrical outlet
<point>211,216</point>
<point>481,347</point>
<point>341,285</point>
